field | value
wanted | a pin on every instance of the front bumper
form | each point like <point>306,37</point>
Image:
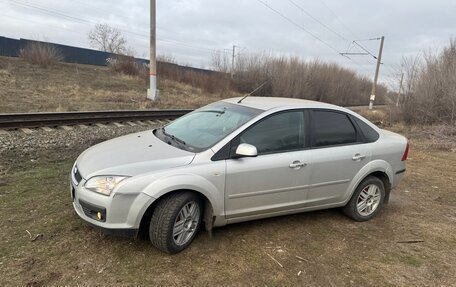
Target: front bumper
<point>117,214</point>
<point>129,232</point>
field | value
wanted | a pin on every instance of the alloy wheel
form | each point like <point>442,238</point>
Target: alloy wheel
<point>186,223</point>
<point>368,200</point>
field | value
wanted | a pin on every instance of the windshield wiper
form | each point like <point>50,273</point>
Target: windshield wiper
<point>214,111</point>
<point>174,138</point>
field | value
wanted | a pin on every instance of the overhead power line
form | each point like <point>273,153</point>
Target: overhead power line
<point>298,25</point>
<point>337,17</point>
<point>165,41</point>
<point>310,33</point>
<point>183,44</point>
<point>355,42</point>
<point>318,21</point>
<point>123,16</point>
<point>369,39</point>
<point>365,50</point>
<point>79,20</point>
<point>49,11</point>
<point>144,36</point>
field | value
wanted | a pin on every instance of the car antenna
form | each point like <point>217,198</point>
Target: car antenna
<point>256,89</point>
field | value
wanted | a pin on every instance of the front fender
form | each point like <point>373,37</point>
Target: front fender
<point>164,185</point>
<point>373,166</point>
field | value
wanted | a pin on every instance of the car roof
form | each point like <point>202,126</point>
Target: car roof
<point>268,103</point>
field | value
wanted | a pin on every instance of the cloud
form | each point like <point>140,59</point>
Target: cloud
<point>190,30</point>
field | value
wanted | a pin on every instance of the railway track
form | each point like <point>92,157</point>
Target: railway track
<point>35,120</point>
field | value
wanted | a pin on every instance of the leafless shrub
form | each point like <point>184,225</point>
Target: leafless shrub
<point>166,58</point>
<point>127,65</point>
<point>41,54</point>
<point>295,78</point>
<point>167,69</point>
<point>430,88</point>
<point>211,82</point>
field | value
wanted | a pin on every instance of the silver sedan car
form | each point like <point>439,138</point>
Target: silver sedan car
<point>237,160</point>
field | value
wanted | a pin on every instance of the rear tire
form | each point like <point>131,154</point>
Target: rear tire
<point>367,200</point>
<point>175,221</point>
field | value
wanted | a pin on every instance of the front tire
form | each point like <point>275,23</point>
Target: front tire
<point>367,200</point>
<point>175,221</point>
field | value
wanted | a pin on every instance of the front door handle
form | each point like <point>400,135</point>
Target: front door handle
<point>297,164</point>
<point>358,157</point>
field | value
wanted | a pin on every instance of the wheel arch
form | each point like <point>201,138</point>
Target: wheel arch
<point>378,168</point>
<point>383,176</point>
<point>208,210</point>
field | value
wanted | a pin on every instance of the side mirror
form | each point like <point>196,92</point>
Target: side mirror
<point>246,150</point>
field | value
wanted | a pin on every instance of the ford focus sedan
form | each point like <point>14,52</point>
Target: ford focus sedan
<point>237,160</point>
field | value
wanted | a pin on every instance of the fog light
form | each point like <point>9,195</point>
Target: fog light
<point>99,215</point>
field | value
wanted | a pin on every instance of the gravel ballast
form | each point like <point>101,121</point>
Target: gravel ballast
<point>20,144</point>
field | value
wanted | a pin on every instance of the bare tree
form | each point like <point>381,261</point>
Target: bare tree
<point>430,87</point>
<point>221,62</point>
<point>106,38</point>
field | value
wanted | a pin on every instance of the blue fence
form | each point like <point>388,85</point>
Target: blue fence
<point>10,48</point>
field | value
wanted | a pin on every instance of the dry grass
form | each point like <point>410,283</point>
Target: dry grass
<point>218,83</point>
<point>377,116</point>
<point>40,54</point>
<point>73,87</point>
<point>335,251</point>
<point>123,86</point>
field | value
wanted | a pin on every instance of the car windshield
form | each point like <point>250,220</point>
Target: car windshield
<point>202,128</point>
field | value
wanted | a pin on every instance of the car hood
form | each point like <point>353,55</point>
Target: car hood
<point>131,155</point>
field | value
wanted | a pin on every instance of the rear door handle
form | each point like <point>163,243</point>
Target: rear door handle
<point>297,164</point>
<point>358,157</point>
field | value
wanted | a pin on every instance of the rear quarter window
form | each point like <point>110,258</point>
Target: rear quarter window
<point>370,135</point>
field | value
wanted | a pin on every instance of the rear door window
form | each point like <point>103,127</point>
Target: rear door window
<point>332,128</point>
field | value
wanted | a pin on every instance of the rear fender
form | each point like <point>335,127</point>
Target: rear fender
<point>371,167</point>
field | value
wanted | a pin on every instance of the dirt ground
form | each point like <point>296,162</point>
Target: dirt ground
<point>43,242</point>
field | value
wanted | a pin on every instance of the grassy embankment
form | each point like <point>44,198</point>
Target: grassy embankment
<point>74,87</point>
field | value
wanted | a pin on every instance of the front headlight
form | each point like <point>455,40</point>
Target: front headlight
<point>104,184</point>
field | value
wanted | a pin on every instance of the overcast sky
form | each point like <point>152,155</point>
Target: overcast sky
<point>190,30</point>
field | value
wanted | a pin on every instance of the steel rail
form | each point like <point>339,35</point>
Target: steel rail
<point>34,120</point>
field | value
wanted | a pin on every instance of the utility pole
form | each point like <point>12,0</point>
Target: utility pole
<point>374,85</point>
<point>400,90</point>
<point>232,61</point>
<point>152,92</point>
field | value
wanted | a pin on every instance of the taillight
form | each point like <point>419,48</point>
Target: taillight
<point>404,157</point>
